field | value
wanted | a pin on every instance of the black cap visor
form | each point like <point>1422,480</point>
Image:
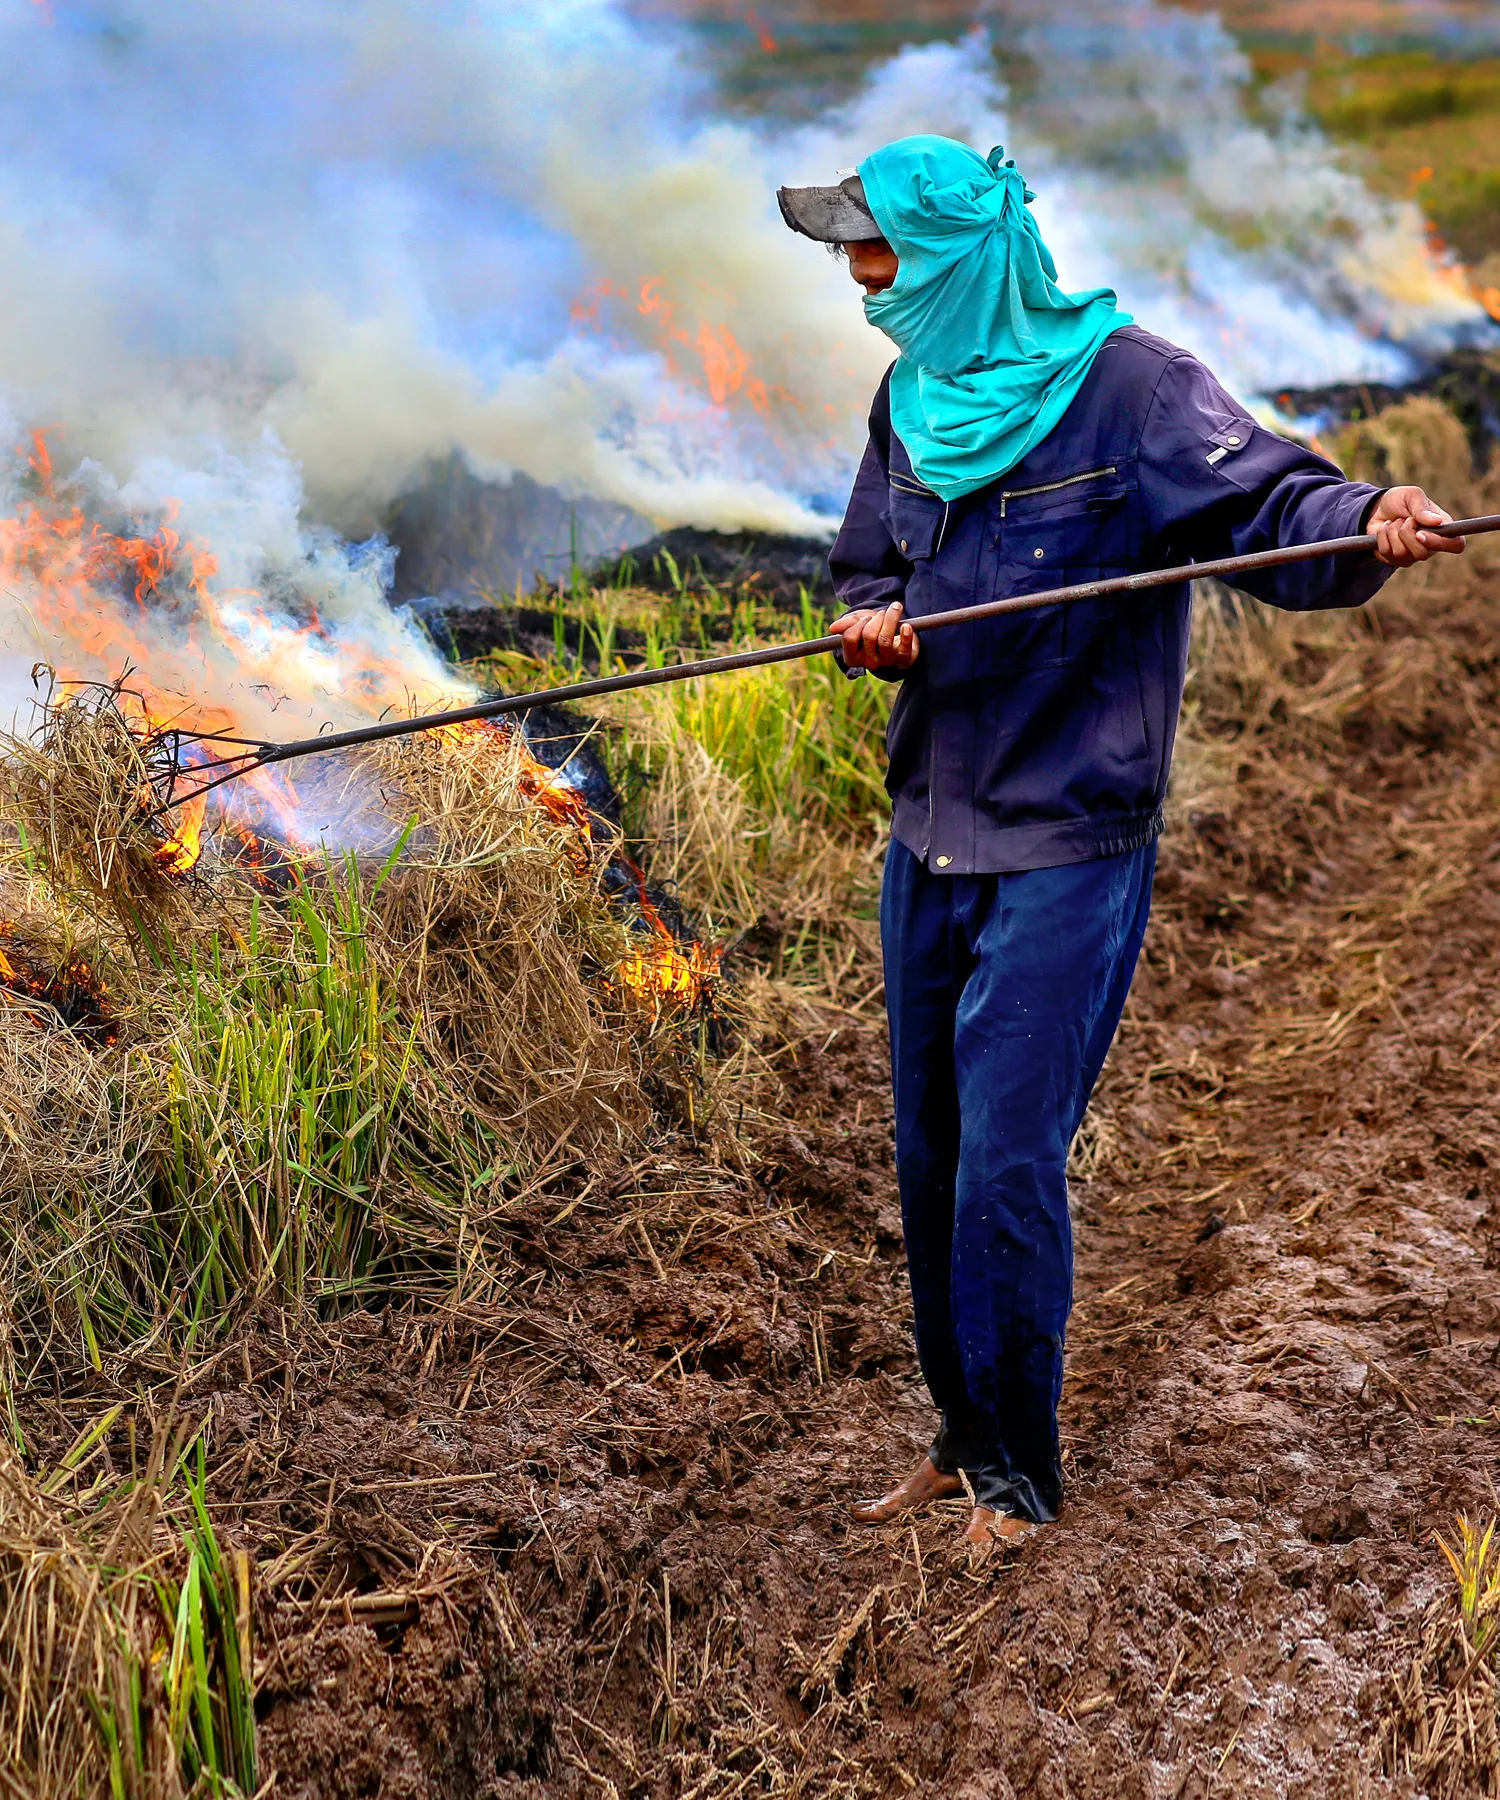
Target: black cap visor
<point>831,215</point>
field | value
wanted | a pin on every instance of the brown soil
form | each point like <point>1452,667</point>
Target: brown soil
<point>594,1543</point>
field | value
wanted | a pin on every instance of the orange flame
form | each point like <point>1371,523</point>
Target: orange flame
<point>665,968</point>
<point>561,802</point>
<point>722,366</point>
<point>539,783</point>
<point>725,365</point>
<point>763,35</point>
<point>75,573</point>
<point>64,559</point>
<point>181,851</point>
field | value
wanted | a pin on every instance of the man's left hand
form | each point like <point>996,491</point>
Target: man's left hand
<point>1397,522</point>
<point>877,637</point>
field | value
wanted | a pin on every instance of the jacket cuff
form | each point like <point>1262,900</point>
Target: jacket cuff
<point>1369,507</point>
<point>879,674</point>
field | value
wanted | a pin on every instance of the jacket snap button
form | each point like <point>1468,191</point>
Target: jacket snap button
<point>1039,553</point>
<point>943,861</point>
<point>903,543</point>
<point>1233,442</point>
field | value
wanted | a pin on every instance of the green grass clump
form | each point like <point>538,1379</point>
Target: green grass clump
<point>126,1667</point>
<point>209,1675</point>
<point>301,1147</point>
<point>279,1138</point>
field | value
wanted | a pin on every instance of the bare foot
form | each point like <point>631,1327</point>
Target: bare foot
<point>986,1528</point>
<point>926,1482</point>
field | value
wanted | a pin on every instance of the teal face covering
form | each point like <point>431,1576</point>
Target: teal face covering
<point>992,350</point>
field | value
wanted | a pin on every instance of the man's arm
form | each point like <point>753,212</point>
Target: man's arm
<point>1214,483</point>
<point>869,572</point>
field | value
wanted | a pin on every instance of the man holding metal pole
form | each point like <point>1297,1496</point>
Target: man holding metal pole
<point>1024,440</point>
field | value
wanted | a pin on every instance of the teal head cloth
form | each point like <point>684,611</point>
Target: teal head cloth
<point>992,350</point>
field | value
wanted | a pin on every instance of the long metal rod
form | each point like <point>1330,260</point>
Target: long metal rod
<point>263,754</point>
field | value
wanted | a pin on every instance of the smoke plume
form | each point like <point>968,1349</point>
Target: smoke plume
<point>263,264</point>
<point>373,231</point>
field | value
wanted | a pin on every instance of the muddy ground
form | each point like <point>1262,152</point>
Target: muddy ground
<point>593,1542</point>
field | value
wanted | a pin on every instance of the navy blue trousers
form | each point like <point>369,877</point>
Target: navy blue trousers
<point>1004,993</point>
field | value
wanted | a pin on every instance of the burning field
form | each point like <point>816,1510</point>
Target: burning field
<point>450,1263</point>
<point>244,1067</point>
<point>448,1301</point>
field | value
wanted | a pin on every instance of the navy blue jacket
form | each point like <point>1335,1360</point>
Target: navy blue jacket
<point>1046,738</point>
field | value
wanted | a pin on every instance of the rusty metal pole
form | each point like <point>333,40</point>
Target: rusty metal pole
<point>261,755</point>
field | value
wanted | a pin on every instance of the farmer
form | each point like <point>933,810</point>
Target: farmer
<point>1025,439</point>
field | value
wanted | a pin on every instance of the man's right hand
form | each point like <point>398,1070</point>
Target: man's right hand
<point>877,638</point>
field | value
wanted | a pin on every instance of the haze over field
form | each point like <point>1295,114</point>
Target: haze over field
<point>350,238</point>
<point>265,267</point>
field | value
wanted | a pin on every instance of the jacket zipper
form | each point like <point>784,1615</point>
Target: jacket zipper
<point>1051,487</point>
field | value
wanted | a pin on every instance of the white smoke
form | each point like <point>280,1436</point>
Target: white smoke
<point>1226,220</point>
<point>367,226</point>
<point>271,260</point>
<point>364,225</point>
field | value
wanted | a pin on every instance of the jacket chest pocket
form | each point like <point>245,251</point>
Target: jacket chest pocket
<point>915,516</point>
<point>1052,537</point>
<point>1081,541</point>
<point>917,520</point>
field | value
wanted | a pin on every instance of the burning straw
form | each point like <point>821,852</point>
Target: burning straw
<point>85,788</point>
<point>498,941</point>
<point>343,1079</point>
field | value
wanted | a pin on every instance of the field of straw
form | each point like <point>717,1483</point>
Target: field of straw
<point>438,1344</point>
